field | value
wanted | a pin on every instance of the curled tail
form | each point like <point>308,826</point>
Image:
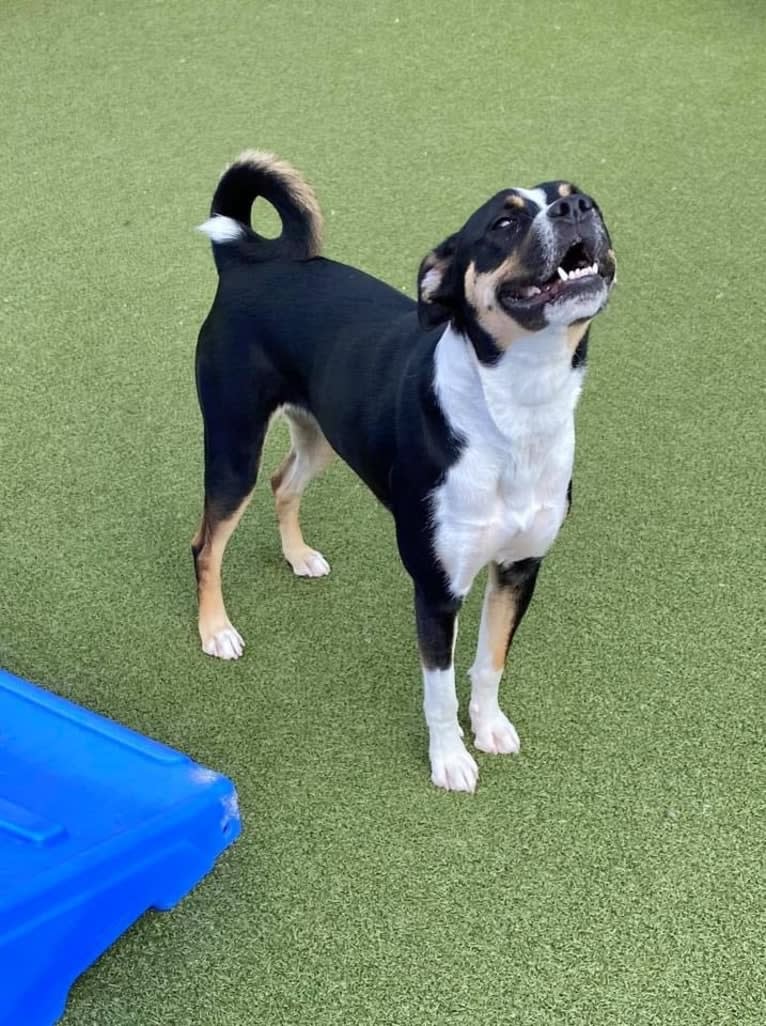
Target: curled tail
<point>256,174</point>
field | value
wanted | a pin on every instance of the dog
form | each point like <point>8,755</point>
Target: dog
<point>457,409</point>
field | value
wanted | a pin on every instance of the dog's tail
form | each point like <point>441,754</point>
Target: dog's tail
<point>256,174</point>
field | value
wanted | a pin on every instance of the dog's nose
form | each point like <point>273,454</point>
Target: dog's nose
<point>571,209</point>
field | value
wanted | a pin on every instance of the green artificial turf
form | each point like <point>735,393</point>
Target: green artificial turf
<point>613,873</point>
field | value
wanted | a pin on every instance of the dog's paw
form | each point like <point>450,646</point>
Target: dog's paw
<point>453,768</point>
<point>496,734</point>
<point>225,643</point>
<point>308,563</point>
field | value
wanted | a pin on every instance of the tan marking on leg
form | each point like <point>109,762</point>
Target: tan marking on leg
<point>215,629</point>
<point>198,538</point>
<point>310,454</point>
<point>282,470</point>
<point>288,508</point>
<point>493,730</point>
<point>501,609</point>
<point>565,189</point>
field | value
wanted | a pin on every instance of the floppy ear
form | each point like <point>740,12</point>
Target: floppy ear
<point>436,290</point>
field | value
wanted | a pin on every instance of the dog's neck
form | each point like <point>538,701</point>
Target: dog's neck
<point>532,387</point>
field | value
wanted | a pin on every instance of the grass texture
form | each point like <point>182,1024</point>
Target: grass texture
<point>613,874</point>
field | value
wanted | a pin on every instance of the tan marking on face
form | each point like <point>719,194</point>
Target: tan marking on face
<point>575,333</point>
<point>481,293</point>
<point>515,201</point>
<point>565,189</point>
<point>613,257</point>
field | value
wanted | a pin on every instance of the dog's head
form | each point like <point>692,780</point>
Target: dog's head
<point>528,259</point>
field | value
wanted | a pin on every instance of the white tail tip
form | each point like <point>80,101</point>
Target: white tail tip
<point>221,229</point>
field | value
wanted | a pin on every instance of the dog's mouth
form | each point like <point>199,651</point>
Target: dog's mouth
<point>578,272</point>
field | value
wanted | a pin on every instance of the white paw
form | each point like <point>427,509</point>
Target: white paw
<point>496,734</point>
<point>309,563</point>
<point>225,644</point>
<point>453,768</point>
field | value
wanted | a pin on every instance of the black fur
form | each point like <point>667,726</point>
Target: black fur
<point>435,621</point>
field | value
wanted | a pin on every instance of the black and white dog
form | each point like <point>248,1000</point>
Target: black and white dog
<point>457,410</point>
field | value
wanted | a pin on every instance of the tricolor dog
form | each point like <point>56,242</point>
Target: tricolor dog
<point>456,410</point>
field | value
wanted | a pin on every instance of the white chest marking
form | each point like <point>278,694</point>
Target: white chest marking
<point>506,497</point>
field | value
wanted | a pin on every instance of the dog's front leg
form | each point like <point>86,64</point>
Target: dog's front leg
<point>508,594</point>
<point>451,765</point>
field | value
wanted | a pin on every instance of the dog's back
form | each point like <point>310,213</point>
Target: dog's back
<point>295,329</point>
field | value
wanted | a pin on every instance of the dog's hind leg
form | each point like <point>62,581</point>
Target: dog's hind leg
<point>219,637</point>
<point>236,421</point>
<point>309,455</point>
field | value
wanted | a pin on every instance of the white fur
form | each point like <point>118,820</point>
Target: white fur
<point>431,281</point>
<point>503,500</point>
<point>577,308</point>
<point>536,196</point>
<point>543,228</point>
<point>506,497</point>
<point>226,644</point>
<point>451,765</point>
<point>309,563</point>
<point>541,225</point>
<point>221,229</point>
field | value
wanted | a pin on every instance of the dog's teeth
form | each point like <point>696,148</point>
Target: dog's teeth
<point>562,273</point>
<point>595,267</point>
<point>529,291</point>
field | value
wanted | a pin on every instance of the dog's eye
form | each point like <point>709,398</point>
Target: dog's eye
<point>502,222</point>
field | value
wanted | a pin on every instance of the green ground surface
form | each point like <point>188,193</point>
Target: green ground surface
<point>613,873</point>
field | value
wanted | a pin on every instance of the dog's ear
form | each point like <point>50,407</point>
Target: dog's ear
<point>436,288</point>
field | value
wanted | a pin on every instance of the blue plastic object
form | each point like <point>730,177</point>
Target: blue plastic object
<point>97,825</point>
